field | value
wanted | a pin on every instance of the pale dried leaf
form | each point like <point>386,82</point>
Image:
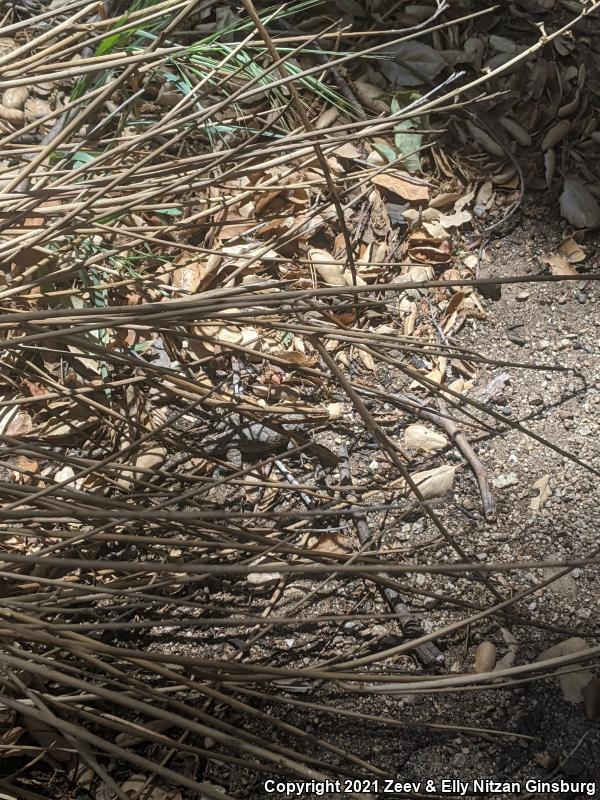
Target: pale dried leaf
<point>434,482</point>
<point>571,683</point>
<point>332,542</point>
<point>542,493</point>
<point>485,657</point>
<point>330,271</point>
<point>421,437</point>
<point>366,358</point>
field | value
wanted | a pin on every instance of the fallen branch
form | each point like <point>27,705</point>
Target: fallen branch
<point>460,440</point>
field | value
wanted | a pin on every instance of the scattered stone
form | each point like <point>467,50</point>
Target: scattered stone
<point>523,296</point>
<point>535,400</point>
<point>507,479</point>
<point>459,760</point>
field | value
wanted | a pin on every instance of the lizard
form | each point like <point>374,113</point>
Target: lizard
<point>238,438</point>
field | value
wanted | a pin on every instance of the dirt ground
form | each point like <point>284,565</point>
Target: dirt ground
<point>554,324</point>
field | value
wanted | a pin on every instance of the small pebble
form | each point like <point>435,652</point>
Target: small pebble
<point>523,296</point>
<point>508,479</point>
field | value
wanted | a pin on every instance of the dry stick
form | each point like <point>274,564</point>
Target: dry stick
<point>26,240</point>
<point>300,110</point>
<point>159,10</point>
<point>447,424</point>
<point>279,755</point>
<point>58,133</point>
<point>428,654</point>
<point>392,452</point>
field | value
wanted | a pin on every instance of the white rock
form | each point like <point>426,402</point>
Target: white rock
<point>508,479</point>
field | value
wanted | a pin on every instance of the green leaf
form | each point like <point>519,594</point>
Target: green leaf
<point>386,151</point>
<point>407,140</point>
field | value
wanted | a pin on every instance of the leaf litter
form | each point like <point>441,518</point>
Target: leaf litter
<point>172,281</point>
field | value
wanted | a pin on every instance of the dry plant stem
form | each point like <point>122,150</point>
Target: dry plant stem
<point>300,110</point>
<point>447,424</point>
<point>392,453</point>
<point>58,133</point>
<point>427,654</point>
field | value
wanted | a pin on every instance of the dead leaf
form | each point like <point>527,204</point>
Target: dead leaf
<point>151,458</point>
<point>421,437</point>
<point>485,657</point>
<point>371,96</point>
<point>556,134</point>
<point>542,493</point>
<point>434,482</point>
<point>297,359</point>
<point>326,118</point>
<point>572,250</point>
<point>329,269</point>
<point>559,265</point>
<point>578,206</point>
<point>262,580</point>
<point>402,185</point>
<point>572,684</point>
<point>347,150</point>
<point>426,62</point>
<point>366,358</point>
<point>23,466</point>
<point>19,425</point>
<point>332,542</point>
<point>187,277</point>
<point>509,658</point>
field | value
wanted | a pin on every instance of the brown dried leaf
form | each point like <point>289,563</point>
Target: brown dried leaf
<point>403,185</point>
<point>572,250</point>
<point>559,265</point>
<point>332,542</point>
<point>187,277</point>
<point>485,657</point>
